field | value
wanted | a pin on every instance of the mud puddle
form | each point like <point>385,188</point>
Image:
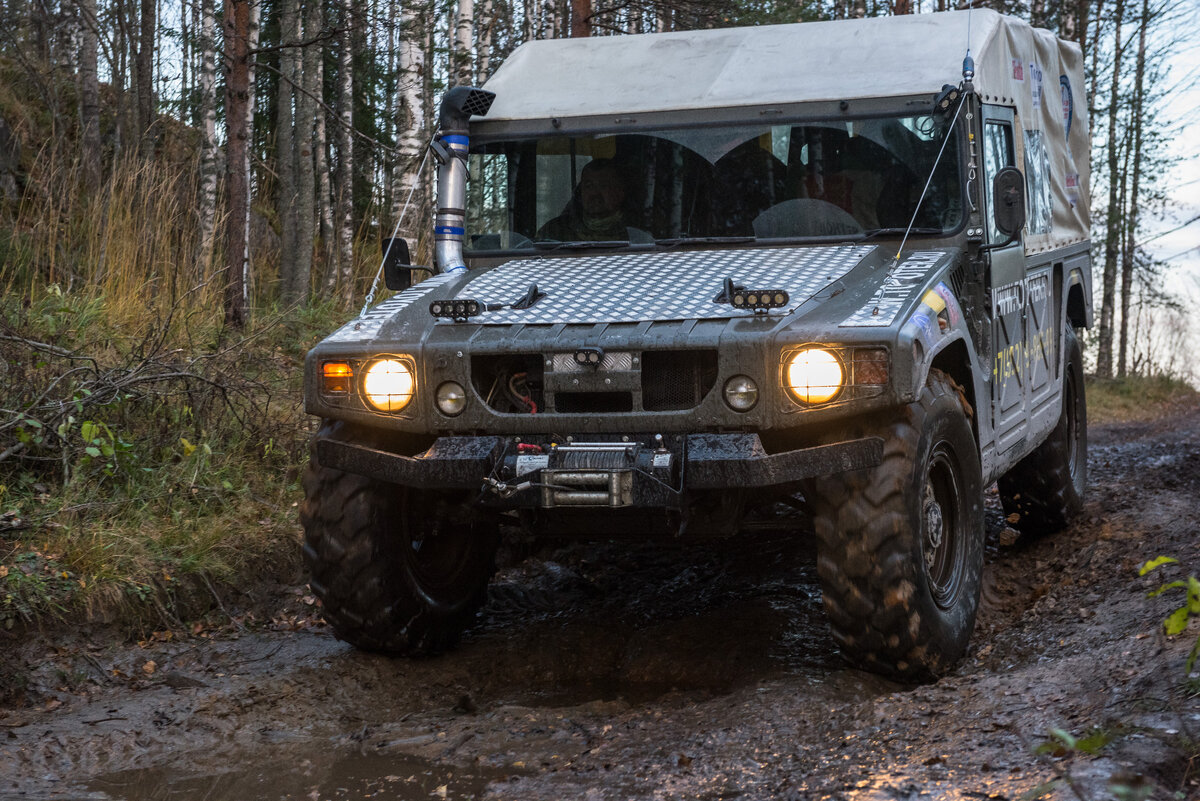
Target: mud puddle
<point>636,672</point>
<point>318,774</point>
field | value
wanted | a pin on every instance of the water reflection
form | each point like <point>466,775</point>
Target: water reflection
<point>313,776</point>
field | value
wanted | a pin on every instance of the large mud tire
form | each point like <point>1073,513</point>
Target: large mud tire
<point>900,545</point>
<point>1044,491</point>
<point>399,571</point>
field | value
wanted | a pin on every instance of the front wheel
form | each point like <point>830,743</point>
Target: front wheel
<point>398,571</point>
<point>1043,492</point>
<point>901,544</point>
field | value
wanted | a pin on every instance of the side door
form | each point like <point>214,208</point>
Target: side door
<point>1010,387</point>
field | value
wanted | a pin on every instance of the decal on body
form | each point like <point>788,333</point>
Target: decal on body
<point>895,291</point>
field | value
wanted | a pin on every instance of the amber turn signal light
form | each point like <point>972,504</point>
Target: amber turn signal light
<point>871,366</point>
<point>336,378</point>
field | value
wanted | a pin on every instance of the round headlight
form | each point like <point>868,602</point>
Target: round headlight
<point>814,375</point>
<point>451,398</point>
<point>388,385</point>
<point>741,393</point>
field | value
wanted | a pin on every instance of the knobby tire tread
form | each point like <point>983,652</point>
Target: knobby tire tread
<point>865,551</point>
<point>357,570</point>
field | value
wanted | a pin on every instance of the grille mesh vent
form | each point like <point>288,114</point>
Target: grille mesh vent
<point>674,380</point>
<point>479,102</point>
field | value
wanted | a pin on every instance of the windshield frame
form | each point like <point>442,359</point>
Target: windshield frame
<point>485,132</point>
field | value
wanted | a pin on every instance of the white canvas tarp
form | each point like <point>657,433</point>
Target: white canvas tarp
<point>1016,65</point>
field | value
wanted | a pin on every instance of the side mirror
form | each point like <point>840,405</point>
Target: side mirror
<point>1008,202</point>
<point>397,264</point>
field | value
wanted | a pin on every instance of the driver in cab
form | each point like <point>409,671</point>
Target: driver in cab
<point>596,213</point>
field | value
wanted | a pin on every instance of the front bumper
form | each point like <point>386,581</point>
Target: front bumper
<point>599,473</point>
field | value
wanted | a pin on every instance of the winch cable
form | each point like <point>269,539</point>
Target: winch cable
<point>396,229</point>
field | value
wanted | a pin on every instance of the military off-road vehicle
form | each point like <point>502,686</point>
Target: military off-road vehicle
<point>684,276</point>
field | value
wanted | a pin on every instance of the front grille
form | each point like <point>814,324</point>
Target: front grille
<point>509,384</point>
<point>675,380</point>
<point>593,402</point>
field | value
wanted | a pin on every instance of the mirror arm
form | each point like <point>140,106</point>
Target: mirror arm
<point>1013,237</point>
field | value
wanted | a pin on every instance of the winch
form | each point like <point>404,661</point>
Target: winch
<point>599,474</point>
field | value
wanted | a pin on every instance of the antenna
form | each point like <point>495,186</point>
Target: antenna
<point>925,191</point>
<point>968,71</point>
<point>395,230</point>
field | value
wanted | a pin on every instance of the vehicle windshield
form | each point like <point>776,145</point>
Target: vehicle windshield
<point>828,179</point>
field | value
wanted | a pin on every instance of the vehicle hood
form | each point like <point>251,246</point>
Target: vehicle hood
<point>661,287</point>
<point>657,286</point>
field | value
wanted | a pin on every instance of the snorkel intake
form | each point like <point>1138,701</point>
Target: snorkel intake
<point>450,148</point>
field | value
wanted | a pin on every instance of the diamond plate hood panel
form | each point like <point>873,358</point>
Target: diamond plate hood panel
<point>638,287</point>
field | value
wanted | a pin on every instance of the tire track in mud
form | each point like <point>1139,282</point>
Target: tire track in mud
<point>610,671</point>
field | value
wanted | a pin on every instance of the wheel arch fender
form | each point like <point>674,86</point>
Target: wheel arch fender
<point>954,359</point>
<point>1079,311</point>
<point>1078,301</point>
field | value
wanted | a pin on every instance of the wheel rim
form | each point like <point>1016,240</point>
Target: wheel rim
<point>941,524</point>
<point>1071,412</point>
<point>436,552</point>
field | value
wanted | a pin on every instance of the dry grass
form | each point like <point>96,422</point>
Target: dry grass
<point>1137,398</point>
<point>148,454</point>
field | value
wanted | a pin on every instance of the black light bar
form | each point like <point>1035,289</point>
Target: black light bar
<point>455,309</point>
<point>946,98</point>
<point>758,299</point>
<point>589,356</point>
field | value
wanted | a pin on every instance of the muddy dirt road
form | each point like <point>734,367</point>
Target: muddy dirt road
<point>605,671</point>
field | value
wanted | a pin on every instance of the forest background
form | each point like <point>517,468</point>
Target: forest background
<point>191,195</point>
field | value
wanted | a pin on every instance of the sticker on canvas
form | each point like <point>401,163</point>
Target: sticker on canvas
<point>1068,103</point>
<point>1072,180</point>
<point>1035,84</point>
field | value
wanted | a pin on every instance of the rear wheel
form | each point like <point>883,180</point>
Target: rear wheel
<point>1043,492</point>
<point>901,544</point>
<point>398,571</point>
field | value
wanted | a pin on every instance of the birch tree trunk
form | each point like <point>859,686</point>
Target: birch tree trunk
<point>487,31</point>
<point>297,290</point>
<point>324,195</point>
<point>345,148</point>
<point>529,24</point>
<point>68,36</point>
<point>185,61</point>
<point>1129,254</point>
<point>120,78</point>
<point>1094,75</point>
<point>410,115</point>
<point>464,32</point>
<point>241,38</point>
<point>1104,366</point>
<point>285,147</point>
<point>208,128</point>
<point>89,96</point>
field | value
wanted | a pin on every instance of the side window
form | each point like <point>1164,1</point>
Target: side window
<point>997,153</point>
<point>1037,179</point>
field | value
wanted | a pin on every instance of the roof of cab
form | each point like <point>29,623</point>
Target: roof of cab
<point>874,57</point>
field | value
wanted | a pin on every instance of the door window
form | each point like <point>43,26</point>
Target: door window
<point>997,153</point>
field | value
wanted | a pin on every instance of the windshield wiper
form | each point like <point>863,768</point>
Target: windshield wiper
<point>611,243</point>
<point>703,240</point>
<point>874,232</point>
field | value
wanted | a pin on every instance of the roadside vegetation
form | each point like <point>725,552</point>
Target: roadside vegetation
<point>144,467</point>
<point>1137,398</point>
<point>149,454</point>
